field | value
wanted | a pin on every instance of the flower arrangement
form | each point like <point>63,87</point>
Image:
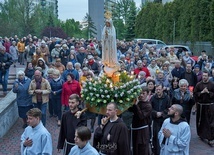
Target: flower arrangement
<point>100,91</point>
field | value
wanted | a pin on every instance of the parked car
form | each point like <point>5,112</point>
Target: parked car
<point>184,48</point>
<point>151,42</point>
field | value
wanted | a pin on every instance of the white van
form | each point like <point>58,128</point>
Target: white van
<point>151,42</point>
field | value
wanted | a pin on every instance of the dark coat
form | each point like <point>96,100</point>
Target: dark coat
<point>64,54</point>
<point>56,86</point>
<point>194,78</point>
<point>68,126</point>
<point>80,57</point>
<point>23,98</point>
<point>142,117</point>
<point>158,105</point>
<point>7,59</point>
<point>119,141</point>
<point>187,102</point>
<point>177,72</point>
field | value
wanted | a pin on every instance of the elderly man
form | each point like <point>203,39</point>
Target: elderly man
<point>40,89</point>
<point>174,135</point>
<point>70,69</point>
<point>36,139</point>
<point>5,63</point>
<point>112,133</point>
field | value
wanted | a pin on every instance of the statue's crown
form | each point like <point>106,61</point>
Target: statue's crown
<point>108,14</point>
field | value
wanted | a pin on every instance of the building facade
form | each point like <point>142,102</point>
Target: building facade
<point>96,12</point>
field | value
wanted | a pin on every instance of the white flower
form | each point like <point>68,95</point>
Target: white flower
<point>102,96</point>
<point>97,95</point>
<point>105,85</point>
<point>116,95</point>
<point>106,91</point>
<point>91,94</point>
<point>101,90</point>
<point>95,89</point>
<point>112,89</point>
<point>108,96</point>
<point>90,88</point>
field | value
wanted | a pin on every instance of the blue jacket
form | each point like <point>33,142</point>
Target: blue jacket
<point>72,71</point>
<point>56,86</point>
<point>21,89</point>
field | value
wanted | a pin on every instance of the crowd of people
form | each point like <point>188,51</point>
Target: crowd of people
<point>174,85</point>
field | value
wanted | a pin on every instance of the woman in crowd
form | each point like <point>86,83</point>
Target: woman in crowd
<point>13,52</point>
<point>23,98</point>
<point>183,97</point>
<point>77,66</point>
<point>56,91</point>
<point>198,72</point>
<point>41,63</point>
<point>72,58</point>
<point>29,70</point>
<point>151,88</point>
<point>71,86</point>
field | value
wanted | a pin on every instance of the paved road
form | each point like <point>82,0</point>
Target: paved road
<point>10,143</point>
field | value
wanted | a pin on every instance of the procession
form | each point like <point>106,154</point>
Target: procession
<point>107,97</point>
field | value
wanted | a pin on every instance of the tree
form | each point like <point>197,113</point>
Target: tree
<point>54,32</point>
<point>91,28</point>
<point>130,24</point>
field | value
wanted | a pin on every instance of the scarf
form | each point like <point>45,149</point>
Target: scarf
<point>38,86</point>
<point>91,62</point>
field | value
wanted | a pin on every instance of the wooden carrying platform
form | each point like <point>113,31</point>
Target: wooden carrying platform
<point>102,110</point>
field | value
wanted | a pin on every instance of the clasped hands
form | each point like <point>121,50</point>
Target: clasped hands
<point>28,142</point>
<point>205,90</point>
<point>166,132</point>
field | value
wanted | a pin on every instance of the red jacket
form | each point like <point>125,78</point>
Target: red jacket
<point>145,69</point>
<point>69,89</point>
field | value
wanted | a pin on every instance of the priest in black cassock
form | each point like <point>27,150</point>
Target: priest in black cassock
<point>111,137</point>
<point>70,121</point>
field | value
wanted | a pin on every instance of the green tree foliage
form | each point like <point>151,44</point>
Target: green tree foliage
<point>124,16</point>
<point>130,23</point>
<point>180,20</point>
<point>212,21</point>
<point>23,17</point>
<point>91,28</point>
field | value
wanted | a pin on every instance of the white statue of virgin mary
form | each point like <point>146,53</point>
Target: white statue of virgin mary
<point>109,48</point>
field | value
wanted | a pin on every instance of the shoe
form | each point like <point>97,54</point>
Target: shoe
<point>14,66</point>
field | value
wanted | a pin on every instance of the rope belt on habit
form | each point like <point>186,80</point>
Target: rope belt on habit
<point>139,128</point>
<point>201,105</point>
<point>66,144</point>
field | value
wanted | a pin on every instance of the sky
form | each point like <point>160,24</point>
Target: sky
<point>75,9</point>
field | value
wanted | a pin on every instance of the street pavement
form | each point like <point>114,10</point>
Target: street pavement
<point>10,143</point>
